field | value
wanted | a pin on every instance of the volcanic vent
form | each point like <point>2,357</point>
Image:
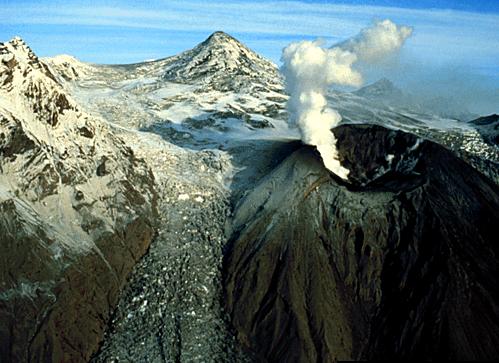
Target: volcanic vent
<point>399,263</point>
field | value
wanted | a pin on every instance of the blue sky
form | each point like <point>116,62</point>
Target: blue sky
<point>129,31</point>
<point>457,34</point>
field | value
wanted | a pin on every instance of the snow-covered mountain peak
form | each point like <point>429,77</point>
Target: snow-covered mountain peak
<point>17,52</point>
<point>49,146</point>
<point>18,47</point>
<point>221,38</point>
<point>222,62</point>
<point>65,61</point>
<point>28,88</point>
<point>18,63</point>
<point>230,50</point>
<point>68,67</point>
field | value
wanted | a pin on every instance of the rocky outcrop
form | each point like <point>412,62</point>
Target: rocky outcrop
<point>60,278</point>
<point>397,264</point>
<point>55,309</point>
<point>77,211</point>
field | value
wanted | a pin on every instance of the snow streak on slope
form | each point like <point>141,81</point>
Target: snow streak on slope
<point>55,149</point>
<point>221,91</point>
<point>77,211</point>
<point>217,91</point>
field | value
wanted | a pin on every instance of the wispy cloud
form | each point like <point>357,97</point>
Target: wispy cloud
<point>127,31</point>
<point>440,35</point>
<point>273,17</point>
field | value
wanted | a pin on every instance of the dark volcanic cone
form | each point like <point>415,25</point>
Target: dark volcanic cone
<point>400,264</point>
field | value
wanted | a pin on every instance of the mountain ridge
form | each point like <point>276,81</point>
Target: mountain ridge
<point>218,58</point>
<point>118,203</point>
<point>74,198</point>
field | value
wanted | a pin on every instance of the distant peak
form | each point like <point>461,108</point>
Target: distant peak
<point>384,82</point>
<point>64,58</point>
<point>381,88</point>
<point>222,61</point>
<point>486,120</point>
<point>220,37</point>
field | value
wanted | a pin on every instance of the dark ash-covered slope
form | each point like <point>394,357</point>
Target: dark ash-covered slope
<point>399,264</point>
<point>488,127</point>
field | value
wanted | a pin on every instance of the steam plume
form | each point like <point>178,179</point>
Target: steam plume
<point>310,69</point>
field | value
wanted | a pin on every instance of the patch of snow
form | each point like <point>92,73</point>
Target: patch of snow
<point>183,197</point>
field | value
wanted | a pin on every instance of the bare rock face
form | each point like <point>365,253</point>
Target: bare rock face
<point>56,309</point>
<point>400,263</point>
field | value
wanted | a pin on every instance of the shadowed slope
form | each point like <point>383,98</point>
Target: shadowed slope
<point>400,264</point>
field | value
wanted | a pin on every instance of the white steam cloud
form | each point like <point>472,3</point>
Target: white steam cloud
<point>310,69</point>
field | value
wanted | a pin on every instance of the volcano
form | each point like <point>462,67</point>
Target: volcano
<point>165,212</point>
<point>397,264</point>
